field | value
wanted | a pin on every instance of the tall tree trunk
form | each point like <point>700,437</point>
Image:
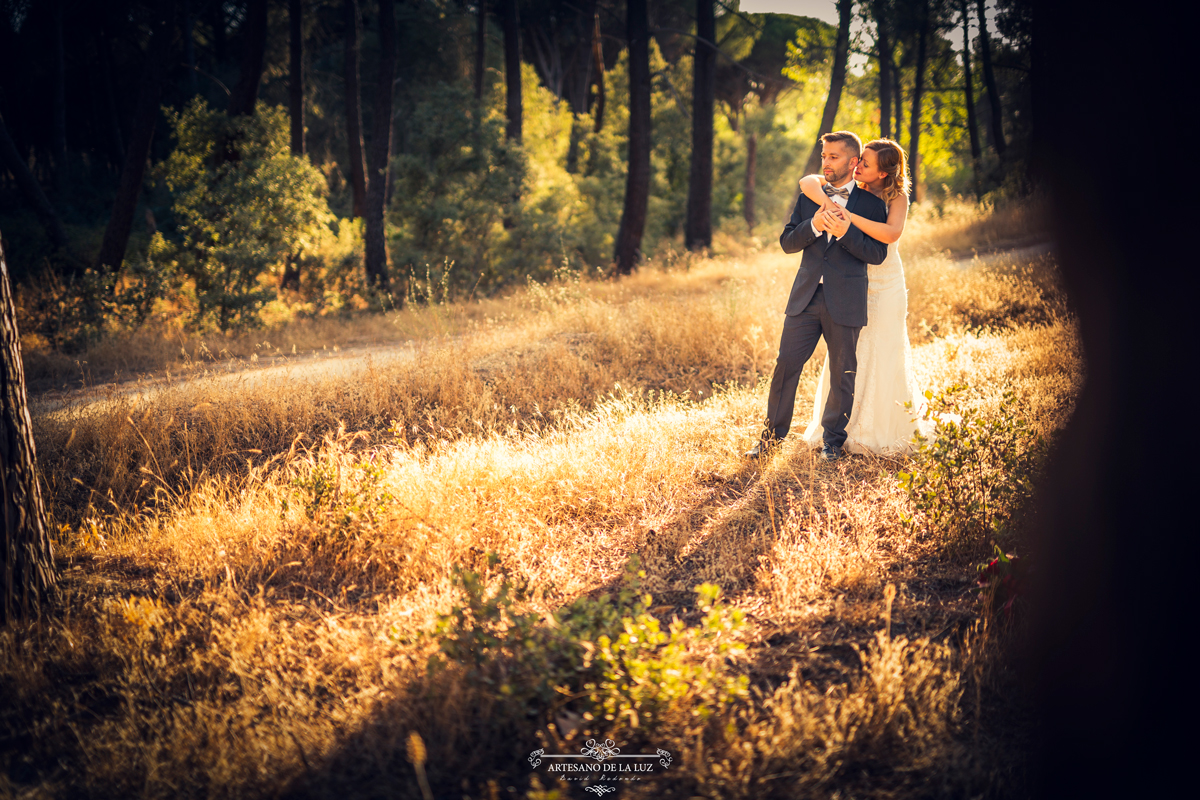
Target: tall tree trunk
<point>358,169</point>
<point>154,76</point>
<point>218,28</point>
<point>189,47</point>
<point>27,575</point>
<point>296,73</point>
<point>749,189</point>
<point>898,98</point>
<point>989,80</point>
<point>110,101</point>
<point>637,179</point>
<point>58,127</point>
<point>379,151</point>
<point>598,65</point>
<point>698,226</point>
<point>914,121</point>
<point>47,216</point>
<point>254,48</point>
<point>972,126</point>
<point>884,43</point>
<point>512,69</point>
<point>837,80</point>
<point>480,47</point>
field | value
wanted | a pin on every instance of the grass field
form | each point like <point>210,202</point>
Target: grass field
<point>402,583</point>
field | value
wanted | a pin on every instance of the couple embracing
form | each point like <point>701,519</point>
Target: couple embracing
<point>849,289</point>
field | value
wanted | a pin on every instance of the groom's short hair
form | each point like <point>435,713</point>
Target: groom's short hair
<point>848,138</point>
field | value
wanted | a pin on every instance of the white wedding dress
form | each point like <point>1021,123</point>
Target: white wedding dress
<point>879,422</point>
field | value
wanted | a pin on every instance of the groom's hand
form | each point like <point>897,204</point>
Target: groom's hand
<point>818,221</point>
<point>838,223</point>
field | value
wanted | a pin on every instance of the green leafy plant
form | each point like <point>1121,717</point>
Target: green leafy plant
<point>610,652</point>
<point>971,477</point>
<point>241,216</point>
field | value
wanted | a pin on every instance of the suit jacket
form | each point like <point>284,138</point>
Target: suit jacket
<point>842,263</point>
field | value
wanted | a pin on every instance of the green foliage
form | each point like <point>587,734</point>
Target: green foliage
<point>244,205</point>
<point>972,476</point>
<point>610,652</point>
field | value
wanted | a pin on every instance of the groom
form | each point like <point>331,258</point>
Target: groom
<point>829,295</point>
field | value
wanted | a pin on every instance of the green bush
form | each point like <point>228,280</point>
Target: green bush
<point>973,475</point>
<point>609,654</point>
<point>244,205</point>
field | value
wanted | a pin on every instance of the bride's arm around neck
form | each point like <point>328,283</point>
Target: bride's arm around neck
<point>886,232</point>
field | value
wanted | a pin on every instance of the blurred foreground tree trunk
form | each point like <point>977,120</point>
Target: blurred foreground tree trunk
<point>137,154</point>
<point>972,125</point>
<point>637,179</point>
<point>358,169</point>
<point>512,69</point>
<point>47,216</point>
<point>989,80</point>
<point>697,233</point>
<point>914,120</point>
<point>27,577</point>
<point>837,79</point>
<point>1113,594</point>
<point>379,152</point>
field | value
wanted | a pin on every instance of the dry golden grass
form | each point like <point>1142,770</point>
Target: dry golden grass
<point>244,624</point>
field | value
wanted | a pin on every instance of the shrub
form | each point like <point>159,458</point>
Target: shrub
<point>610,652</point>
<point>241,216</point>
<point>969,479</point>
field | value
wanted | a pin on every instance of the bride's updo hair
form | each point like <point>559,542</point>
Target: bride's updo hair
<point>893,163</point>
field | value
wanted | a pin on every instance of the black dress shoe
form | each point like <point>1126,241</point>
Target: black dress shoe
<point>763,447</point>
<point>831,452</point>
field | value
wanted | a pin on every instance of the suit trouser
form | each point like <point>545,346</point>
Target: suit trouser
<point>800,336</point>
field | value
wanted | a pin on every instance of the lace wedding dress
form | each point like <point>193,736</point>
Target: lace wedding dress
<point>879,422</point>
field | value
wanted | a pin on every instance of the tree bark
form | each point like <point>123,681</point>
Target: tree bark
<point>154,76</point>
<point>512,69</point>
<point>884,43</point>
<point>972,125</point>
<point>598,65</point>
<point>480,47</point>
<point>189,47</point>
<point>27,574</point>
<point>218,28</point>
<point>29,187</point>
<point>898,98</point>
<point>914,122</point>
<point>58,126</point>
<point>296,73</point>
<point>637,179</point>
<point>989,80</point>
<point>254,48</point>
<point>837,80</point>
<point>358,169</point>
<point>698,226</point>
<point>379,152</point>
<point>110,100</point>
<point>749,189</point>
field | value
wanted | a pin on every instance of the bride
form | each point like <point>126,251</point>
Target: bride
<point>879,422</point>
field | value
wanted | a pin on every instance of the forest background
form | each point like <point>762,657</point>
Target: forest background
<point>203,165</point>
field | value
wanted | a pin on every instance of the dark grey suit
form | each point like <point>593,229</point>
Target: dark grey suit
<point>835,308</point>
